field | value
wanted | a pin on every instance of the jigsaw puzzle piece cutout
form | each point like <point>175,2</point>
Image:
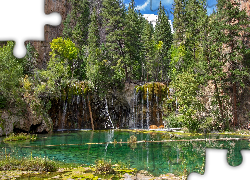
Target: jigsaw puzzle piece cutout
<point>234,157</point>
<point>217,167</point>
<point>23,20</point>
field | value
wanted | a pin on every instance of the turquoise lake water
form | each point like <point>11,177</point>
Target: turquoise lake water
<point>178,154</point>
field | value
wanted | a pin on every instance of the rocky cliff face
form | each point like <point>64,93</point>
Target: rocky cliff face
<point>50,32</point>
<point>12,121</point>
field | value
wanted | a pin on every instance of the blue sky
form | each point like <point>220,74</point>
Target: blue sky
<point>150,6</point>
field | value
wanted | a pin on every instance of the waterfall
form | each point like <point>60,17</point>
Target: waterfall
<point>72,99</point>
<point>132,114</point>
<point>83,106</point>
<point>64,113</point>
<point>147,110</point>
<point>157,110</point>
<point>78,99</point>
<point>136,107</point>
<point>107,113</point>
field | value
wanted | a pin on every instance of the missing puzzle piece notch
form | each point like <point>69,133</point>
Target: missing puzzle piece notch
<point>217,166</point>
<point>24,20</point>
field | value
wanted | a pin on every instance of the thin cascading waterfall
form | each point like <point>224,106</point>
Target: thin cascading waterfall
<point>133,115</point>
<point>132,121</point>
<point>76,123</point>
<point>83,106</point>
<point>108,115</point>
<point>136,96</point>
<point>78,99</point>
<point>157,110</point>
<point>72,99</point>
<point>147,109</point>
<point>64,113</point>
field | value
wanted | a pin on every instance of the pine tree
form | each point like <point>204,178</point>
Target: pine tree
<point>233,25</point>
<point>148,50</point>
<point>178,23</point>
<point>96,67</point>
<point>187,63</point>
<point>163,34</point>
<point>77,21</point>
<point>133,31</point>
<point>113,15</point>
<point>93,33</point>
<point>76,29</point>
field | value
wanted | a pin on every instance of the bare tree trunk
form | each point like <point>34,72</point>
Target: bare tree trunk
<point>90,113</point>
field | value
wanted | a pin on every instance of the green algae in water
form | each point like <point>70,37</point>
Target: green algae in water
<point>176,155</point>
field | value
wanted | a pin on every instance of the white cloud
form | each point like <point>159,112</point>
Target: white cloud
<point>167,2</point>
<point>142,7</point>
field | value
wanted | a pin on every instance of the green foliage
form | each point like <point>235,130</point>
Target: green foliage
<point>104,167</point>
<point>173,121</point>
<point>77,21</point>
<point>30,60</point>
<point>105,63</point>
<point>132,139</point>
<point>20,137</point>
<point>8,163</point>
<point>209,53</point>
<point>99,70</point>
<point>3,102</point>
<point>133,42</point>
<point>76,29</point>
<point>11,71</point>
<point>114,21</point>
<point>208,124</point>
<point>60,69</point>
<point>179,24</point>
<point>63,49</point>
<point>187,65</point>
<point>163,34</point>
<point>247,59</point>
<point>148,50</point>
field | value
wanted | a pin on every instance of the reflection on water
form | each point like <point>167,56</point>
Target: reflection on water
<point>175,156</point>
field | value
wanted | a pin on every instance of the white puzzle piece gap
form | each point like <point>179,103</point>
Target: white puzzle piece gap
<point>22,20</point>
<point>217,167</point>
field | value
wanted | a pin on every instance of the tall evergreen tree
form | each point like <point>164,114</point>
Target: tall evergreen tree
<point>148,50</point>
<point>133,44</point>
<point>233,26</point>
<point>77,21</point>
<point>163,34</point>
<point>76,29</point>
<point>98,70</point>
<point>187,63</point>
<point>113,14</point>
<point>179,23</point>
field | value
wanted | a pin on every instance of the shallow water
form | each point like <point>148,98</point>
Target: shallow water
<point>179,153</point>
